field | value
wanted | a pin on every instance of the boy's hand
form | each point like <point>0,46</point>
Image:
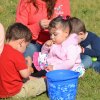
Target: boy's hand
<point>29,64</point>
<point>82,49</point>
<point>28,61</point>
<point>49,68</point>
<point>49,43</point>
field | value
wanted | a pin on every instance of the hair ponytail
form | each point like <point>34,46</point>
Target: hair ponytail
<point>67,19</point>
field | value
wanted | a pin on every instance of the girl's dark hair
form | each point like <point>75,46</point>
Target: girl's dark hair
<point>77,25</point>
<point>18,31</point>
<point>62,21</point>
<point>50,4</point>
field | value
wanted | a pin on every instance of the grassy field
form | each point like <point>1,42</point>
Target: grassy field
<point>89,12</point>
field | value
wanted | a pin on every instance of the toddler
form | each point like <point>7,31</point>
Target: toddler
<point>89,42</point>
<point>62,51</point>
<point>13,66</point>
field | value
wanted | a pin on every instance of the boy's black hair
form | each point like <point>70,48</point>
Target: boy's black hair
<point>18,31</point>
<point>62,21</point>
<point>77,25</point>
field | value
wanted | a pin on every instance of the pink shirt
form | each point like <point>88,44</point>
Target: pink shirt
<point>65,55</point>
<point>2,38</point>
<point>26,14</point>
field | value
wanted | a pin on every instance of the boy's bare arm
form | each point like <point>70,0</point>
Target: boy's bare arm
<point>26,72</point>
<point>29,64</point>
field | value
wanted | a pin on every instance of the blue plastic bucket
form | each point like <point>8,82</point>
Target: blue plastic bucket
<point>62,84</point>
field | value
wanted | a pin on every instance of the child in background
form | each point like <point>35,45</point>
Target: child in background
<point>13,66</point>
<point>2,37</point>
<point>62,51</point>
<point>90,44</point>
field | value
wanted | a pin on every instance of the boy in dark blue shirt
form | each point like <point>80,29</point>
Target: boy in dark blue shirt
<point>90,44</point>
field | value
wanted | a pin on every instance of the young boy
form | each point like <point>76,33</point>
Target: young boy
<point>14,67</point>
<point>2,38</point>
<point>90,44</point>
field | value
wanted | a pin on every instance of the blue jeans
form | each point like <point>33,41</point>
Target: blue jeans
<point>86,61</point>
<point>96,66</point>
<point>32,47</point>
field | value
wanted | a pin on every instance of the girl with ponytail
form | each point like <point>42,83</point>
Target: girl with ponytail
<point>62,50</point>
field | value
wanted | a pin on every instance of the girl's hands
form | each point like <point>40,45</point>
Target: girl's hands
<point>49,68</point>
<point>49,43</point>
<point>44,23</point>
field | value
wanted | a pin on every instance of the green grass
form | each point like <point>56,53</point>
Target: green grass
<point>7,12</point>
<point>89,12</point>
